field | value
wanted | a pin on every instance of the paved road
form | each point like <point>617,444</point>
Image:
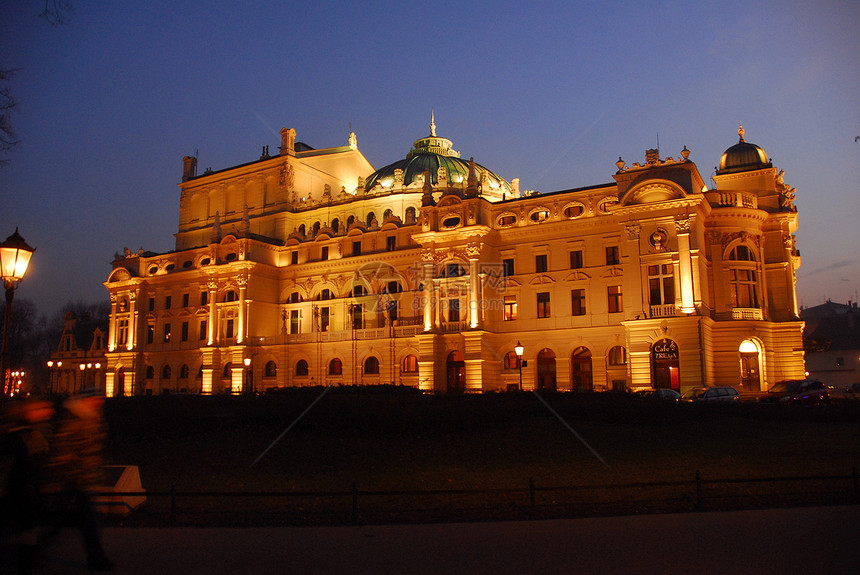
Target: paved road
<point>804,540</point>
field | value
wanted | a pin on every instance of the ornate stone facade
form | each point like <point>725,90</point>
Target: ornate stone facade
<point>430,276</point>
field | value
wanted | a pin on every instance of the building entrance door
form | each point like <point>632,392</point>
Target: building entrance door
<point>580,370</point>
<point>456,372</point>
<point>546,370</point>
<point>750,367</point>
<point>665,366</point>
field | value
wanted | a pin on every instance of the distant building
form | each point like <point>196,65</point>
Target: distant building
<point>832,341</point>
<point>79,362</point>
<point>316,269</point>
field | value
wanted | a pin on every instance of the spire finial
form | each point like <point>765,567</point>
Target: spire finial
<point>741,132</point>
<point>432,122</point>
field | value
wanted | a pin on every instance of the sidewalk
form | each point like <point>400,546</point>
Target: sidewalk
<point>803,540</point>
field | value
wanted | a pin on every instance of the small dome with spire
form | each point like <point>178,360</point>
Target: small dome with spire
<point>743,157</point>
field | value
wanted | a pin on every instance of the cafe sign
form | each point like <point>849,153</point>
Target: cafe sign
<point>665,349</point>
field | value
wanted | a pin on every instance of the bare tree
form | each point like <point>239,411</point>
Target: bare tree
<point>7,106</point>
<point>57,12</point>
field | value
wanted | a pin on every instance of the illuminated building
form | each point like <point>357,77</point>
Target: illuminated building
<point>427,272</point>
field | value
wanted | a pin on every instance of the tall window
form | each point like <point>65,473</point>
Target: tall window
<point>167,301</point>
<point>540,263</point>
<point>185,299</point>
<point>577,302</point>
<point>203,332</point>
<point>335,367</point>
<point>613,256</point>
<point>742,277</point>
<point>122,336</point>
<point>356,248</point>
<point>543,304</point>
<point>454,309</point>
<point>410,364</point>
<point>301,368</point>
<point>510,307</point>
<point>618,356</point>
<point>294,321</point>
<point>661,284</point>
<point>371,366</point>
<point>271,369</point>
<point>229,333</point>
<point>204,297</point>
<point>508,267</point>
<point>325,318</point>
<point>324,253</point>
<point>150,334</point>
<point>511,360</point>
<point>615,300</point>
<point>390,243</point>
<point>294,257</point>
<point>576,259</point>
<point>184,331</point>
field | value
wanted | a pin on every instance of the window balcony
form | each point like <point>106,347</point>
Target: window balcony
<point>747,313</point>
<point>668,310</point>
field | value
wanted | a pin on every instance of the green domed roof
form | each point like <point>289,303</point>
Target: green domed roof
<point>743,157</point>
<point>428,155</point>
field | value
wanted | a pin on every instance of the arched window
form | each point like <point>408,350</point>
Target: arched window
<point>618,356</point>
<point>316,228</point>
<point>302,229</point>
<point>230,296</point>
<point>511,360</point>
<point>386,214</point>
<point>165,372</point>
<point>410,364</point>
<point>371,366</point>
<point>184,371</point>
<point>335,225</point>
<point>271,369</point>
<point>743,277</point>
<point>349,221</point>
<point>370,218</point>
<point>302,368</point>
<point>410,215</point>
<point>150,372</point>
<point>335,367</point>
<point>228,370</point>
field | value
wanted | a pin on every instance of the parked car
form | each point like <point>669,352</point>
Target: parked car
<point>720,393</point>
<point>805,392</point>
<point>661,393</point>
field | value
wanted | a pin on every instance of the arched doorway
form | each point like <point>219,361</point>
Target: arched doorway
<point>581,375</point>
<point>664,365</point>
<point>546,370</point>
<point>456,372</point>
<point>119,386</point>
<point>750,365</point>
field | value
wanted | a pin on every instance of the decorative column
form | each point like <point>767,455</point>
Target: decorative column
<point>112,343</point>
<point>213,287</point>
<point>131,340</point>
<point>243,284</point>
<point>427,266</point>
<point>473,251</point>
<point>685,264</point>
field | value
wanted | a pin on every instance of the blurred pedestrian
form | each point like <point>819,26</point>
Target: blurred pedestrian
<point>77,470</point>
<point>25,450</point>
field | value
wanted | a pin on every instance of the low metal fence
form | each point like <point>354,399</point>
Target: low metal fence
<point>531,501</point>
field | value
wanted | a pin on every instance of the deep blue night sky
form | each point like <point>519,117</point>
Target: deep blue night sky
<point>549,92</point>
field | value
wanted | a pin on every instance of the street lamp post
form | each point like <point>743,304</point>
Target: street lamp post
<point>14,258</point>
<point>249,375</point>
<point>519,351</point>
<point>51,365</point>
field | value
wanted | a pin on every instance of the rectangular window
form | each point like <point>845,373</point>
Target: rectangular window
<point>357,316</point>
<point>577,302</point>
<point>613,256</point>
<point>294,257</point>
<point>167,301</point>
<point>184,331</point>
<point>150,334</point>
<point>390,243</point>
<point>508,267</point>
<point>229,333</point>
<point>152,304</point>
<point>510,307</point>
<point>185,299</point>
<point>615,301</point>
<point>204,298</point>
<point>543,304</point>
<point>356,248</point>
<point>661,284</point>
<point>122,338</point>
<point>453,310</point>
<point>324,253</point>
<point>325,319</point>
<point>166,334</point>
<point>540,263</point>
<point>576,259</point>
<point>294,321</point>
<point>203,331</point>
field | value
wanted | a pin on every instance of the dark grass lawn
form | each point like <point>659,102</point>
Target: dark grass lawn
<point>398,439</point>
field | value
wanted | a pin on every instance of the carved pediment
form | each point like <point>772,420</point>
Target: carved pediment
<point>613,272</point>
<point>541,279</point>
<point>577,276</point>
